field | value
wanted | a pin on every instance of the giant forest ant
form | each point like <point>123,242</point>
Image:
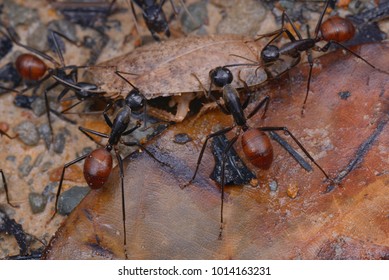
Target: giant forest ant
<point>335,30</point>
<point>32,68</point>
<point>98,163</point>
<point>256,145</point>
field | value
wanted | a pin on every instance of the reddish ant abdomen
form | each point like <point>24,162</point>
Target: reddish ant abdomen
<point>257,148</point>
<point>337,29</point>
<point>30,67</point>
<point>97,167</point>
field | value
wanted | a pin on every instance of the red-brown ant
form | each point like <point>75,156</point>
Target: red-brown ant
<point>98,163</point>
<point>256,145</point>
<point>32,68</point>
<point>334,31</point>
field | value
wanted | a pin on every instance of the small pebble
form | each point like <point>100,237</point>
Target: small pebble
<point>242,18</point>
<point>254,182</point>
<point>9,76</point>
<point>44,131</point>
<point>69,199</point>
<point>38,106</point>
<point>292,191</point>
<point>11,158</point>
<point>46,166</point>
<point>59,143</point>
<point>5,46</point>
<point>18,14</point>
<point>37,202</point>
<point>28,133</point>
<point>24,101</point>
<point>37,38</point>
<point>50,190</point>
<point>182,138</point>
<point>273,186</point>
<point>63,27</point>
<point>25,168</point>
<point>38,159</point>
<point>344,95</point>
<point>198,17</point>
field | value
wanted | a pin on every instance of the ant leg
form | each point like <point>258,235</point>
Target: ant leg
<point>59,115</point>
<point>208,95</point>
<point>220,132</point>
<point>247,89</point>
<point>129,131</point>
<point>224,160</point>
<point>71,107</point>
<point>120,163</point>
<point>6,190</point>
<point>282,30</point>
<point>62,94</point>
<point>7,135</point>
<point>298,143</point>
<point>87,130</point>
<point>300,160</point>
<point>265,101</point>
<point>107,120</point>
<point>310,61</point>
<point>143,148</point>
<point>320,20</point>
<point>61,181</point>
<point>326,47</point>
<point>48,108</point>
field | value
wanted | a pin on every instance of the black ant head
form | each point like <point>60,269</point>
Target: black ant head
<point>135,100</point>
<point>221,76</point>
<point>270,53</point>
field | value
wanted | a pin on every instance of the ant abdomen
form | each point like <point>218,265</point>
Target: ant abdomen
<point>30,67</point>
<point>337,29</point>
<point>97,168</point>
<point>257,148</point>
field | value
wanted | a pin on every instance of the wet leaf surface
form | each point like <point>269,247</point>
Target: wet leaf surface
<point>166,222</point>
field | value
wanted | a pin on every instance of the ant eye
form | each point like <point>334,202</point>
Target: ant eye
<point>221,76</point>
<point>270,53</point>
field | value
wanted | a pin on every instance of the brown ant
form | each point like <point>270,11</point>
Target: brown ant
<point>334,31</point>
<point>98,163</point>
<point>256,145</point>
<point>32,68</point>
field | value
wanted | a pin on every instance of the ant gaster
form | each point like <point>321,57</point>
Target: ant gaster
<point>334,31</point>
<point>256,145</point>
<point>98,163</point>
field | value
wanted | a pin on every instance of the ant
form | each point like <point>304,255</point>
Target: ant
<point>98,163</point>
<point>32,68</point>
<point>2,173</point>
<point>334,31</point>
<point>256,144</point>
<point>153,16</point>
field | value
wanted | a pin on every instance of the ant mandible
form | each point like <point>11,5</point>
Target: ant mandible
<point>98,163</point>
<point>334,31</point>
<point>256,145</point>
